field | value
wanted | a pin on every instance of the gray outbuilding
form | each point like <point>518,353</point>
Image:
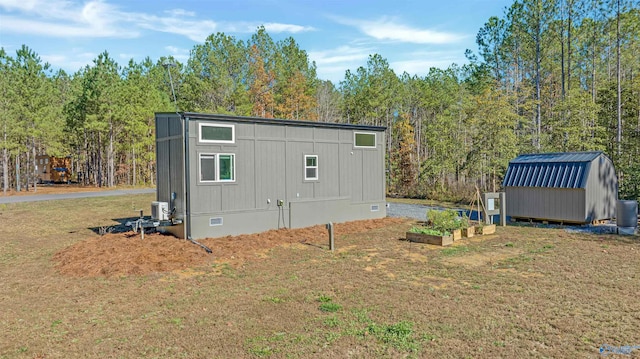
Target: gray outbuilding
<point>226,175</point>
<point>570,187</point>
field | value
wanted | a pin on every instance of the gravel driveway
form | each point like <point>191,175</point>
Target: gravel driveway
<point>72,195</point>
<point>404,210</point>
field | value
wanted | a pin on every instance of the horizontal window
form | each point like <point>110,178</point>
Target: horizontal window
<point>217,133</point>
<point>310,167</point>
<point>364,139</point>
<point>217,167</point>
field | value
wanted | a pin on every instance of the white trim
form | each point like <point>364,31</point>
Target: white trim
<point>216,158</point>
<point>203,124</point>
<point>375,139</point>
<point>308,167</point>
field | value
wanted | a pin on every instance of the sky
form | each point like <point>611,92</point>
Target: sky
<point>339,35</point>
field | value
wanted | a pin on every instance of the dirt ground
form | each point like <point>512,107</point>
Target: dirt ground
<point>116,254</point>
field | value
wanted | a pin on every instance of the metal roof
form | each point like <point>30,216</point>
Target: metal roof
<point>272,121</point>
<point>550,170</point>
<point>557,157</point>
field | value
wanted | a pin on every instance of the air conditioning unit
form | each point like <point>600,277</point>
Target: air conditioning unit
<point>159,211</point>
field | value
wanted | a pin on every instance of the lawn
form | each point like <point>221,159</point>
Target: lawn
<point>523,292</point>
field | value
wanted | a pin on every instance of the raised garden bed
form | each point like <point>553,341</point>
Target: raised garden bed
<point>446,240</point>
<point>486,229</point>
<point>468,232</point>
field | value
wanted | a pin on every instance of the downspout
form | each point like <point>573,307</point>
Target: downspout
<point>187,185</point>
<point>185,169</point>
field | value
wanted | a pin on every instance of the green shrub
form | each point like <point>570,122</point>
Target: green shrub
<point>446,220</point>
<point>428,230</point>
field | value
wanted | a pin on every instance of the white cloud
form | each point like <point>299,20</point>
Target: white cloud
<point>180,12</point>
<point>274,27</point>
<point>54,9</point>
<point>342,54</point>
<point>178,53</point>
<point>194,30</point>
<point>59,18</point>
<point>70,62</point>
<point>34,27</point>
<point>333,63</point>
<point>419,63</point>
<point>389,29</point>
<point>127,57</point>
<point>98,18</point>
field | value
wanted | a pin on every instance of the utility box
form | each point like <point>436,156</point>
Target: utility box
<point>159,211</point>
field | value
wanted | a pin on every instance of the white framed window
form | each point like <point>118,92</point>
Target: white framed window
<point>364,139</point>
<point>217,133</point>
<point>310,167</point>
<point>217,167</point>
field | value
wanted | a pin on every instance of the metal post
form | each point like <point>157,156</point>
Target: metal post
<point>503,209</point>
<point>330,229</point>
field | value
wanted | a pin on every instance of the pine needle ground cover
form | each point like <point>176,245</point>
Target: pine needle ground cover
<point>524,291</point>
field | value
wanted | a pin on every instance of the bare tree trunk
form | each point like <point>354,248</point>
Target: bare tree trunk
<point>5,166</point>
<point>27,171</point>
<point>593,68</point>
<point>570,7</point>
<point>152,170</point>
<point>135,170</point>
<point>618,71</point>
<point>18,172</point>
<point>562,68</point>
<point>538,104</point>
<point>99,161</point>
<point>35,166</point>
<point>110,158</point>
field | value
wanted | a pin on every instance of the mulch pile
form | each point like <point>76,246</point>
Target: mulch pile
<point>118,254</point>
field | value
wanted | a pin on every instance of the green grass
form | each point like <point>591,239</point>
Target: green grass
<point>454,250</point>
<point>274,300</point>
<point>399,335</point>
<point>330,307</point>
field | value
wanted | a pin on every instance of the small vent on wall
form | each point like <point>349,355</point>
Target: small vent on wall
<point>217,221</point>
<point>375,208</point>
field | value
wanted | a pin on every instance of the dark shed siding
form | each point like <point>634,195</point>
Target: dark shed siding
<point>573,187</point>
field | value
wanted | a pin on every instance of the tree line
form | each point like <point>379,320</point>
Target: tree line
<point>548,76</point>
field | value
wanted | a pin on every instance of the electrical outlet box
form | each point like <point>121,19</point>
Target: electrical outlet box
<point>280,203</point>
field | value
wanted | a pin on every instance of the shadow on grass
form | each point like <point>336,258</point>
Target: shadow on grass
<point>120,227</point>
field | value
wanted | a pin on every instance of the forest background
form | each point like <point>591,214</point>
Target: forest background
<point>547,76</point>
